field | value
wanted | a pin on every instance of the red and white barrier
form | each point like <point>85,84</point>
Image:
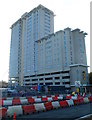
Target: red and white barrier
<point>50,99</point>
<point>68,97</point>
<point>44,99</point>
<point>14,109</point>
<point>55,98</point>
<point>24,101</point>
<point>1,102</point>
<point>70,102</point>
<point>37,100</point>
<point>16,101</point>
<point>7,102</point>
<point>76,101</point>
<point>63,103</point>
<point>56,104</point>
<point>86,100</point>
<point>37,107</point>
<point>28,109</point>
<point>90,99</point>
<point>48,105</point>
<point>60,98</point>
<point>3,112</point>
<point>30,100</point>
<point>81,101</point>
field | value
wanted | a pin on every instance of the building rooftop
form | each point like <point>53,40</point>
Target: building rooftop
<point>48,36</point>
<point>26,14</point>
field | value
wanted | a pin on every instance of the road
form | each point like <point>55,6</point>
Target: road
<point>69,113</point>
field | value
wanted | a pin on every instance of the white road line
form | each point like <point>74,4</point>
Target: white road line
<point>86,116</point>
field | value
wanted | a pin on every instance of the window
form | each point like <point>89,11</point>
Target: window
<point>50,78</point>
<point>57,83</point>
<point>41,79</point>
<point>57,77</point>
<point>27,80</point>
<point>34,79</point>
<point>65,77</point>
<point>50,83</point>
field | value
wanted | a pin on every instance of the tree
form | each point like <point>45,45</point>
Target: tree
<point>90,77</point>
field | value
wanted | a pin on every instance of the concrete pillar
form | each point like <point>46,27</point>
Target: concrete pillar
<point>61,81</point>
<point>53,80</point>
<point>44,80</point>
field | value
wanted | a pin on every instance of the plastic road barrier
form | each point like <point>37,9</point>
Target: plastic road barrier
<point>28,97</point>
<point>70,102</point>
<point>60,95</point>
<point>24,101</point>
<point>44,96</point>
<point>55,104</point>
<point>81,101</point>
<point>7,102</point>
<point>28,109</point>
<point>3,112</point>
<point>14,109</point>
<point>76,102</point>
<point>44,99</point>
<point>56,95</point>
<point>48,105</point>
<point>22,98</point>
<point>30,100</point>
<point>63,103</point>
<point>86,100</point>
<point>1,102</point>
<point>49,99</point>
<point>52,95</point>
<point>2,98</point>
<point>90,98</point>
<point>60,98</point>
<point>68,97</point>
<point>9,98</point>
<point>74,97</point>
<point>16,97</point>
<point>34,97</point>
<point>54,98</point>
<point>16,101</point>
<point>37,99</point>
<point>39,107</point>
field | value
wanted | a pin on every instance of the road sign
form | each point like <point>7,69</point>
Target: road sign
<point>37,87</point>
<point>77,83</point>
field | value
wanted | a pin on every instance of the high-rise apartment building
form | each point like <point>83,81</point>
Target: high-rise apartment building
<point>38,56</point>
<point>29,28</point>
<point>61,60</point>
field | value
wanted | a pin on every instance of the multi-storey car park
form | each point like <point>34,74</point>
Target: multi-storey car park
<point>38,56</point>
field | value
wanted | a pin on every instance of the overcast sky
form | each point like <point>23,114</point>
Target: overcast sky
<point>69,13</point>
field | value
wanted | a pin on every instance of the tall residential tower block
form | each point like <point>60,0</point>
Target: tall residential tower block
<point>38,56</point>
<point>29,28</point>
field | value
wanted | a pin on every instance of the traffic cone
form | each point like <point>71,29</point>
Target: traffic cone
<point>14,118</point>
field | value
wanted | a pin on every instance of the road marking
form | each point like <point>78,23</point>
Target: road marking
<point>86,116</point>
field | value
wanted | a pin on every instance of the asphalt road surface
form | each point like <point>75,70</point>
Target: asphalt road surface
<point>69,113</point>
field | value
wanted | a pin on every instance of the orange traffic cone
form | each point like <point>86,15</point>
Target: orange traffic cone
<point>14,118</point>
